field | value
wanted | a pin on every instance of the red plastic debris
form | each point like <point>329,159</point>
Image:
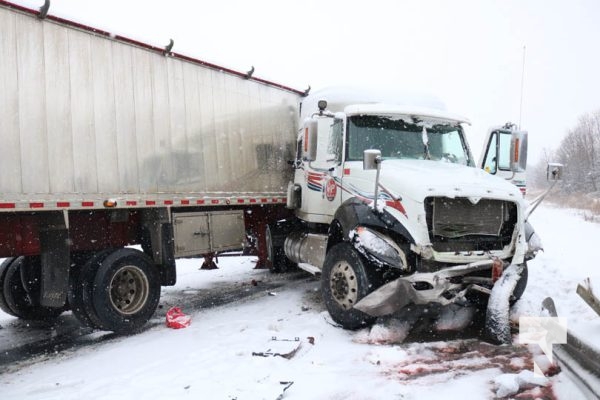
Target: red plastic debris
<point>176,319</point>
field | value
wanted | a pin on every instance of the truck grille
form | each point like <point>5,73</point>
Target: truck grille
<point>460,225</point>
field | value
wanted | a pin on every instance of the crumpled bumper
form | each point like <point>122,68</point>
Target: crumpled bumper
<point>437,288</point>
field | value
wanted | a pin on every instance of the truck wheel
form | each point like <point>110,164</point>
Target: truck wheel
<point>80,289</point>
<point>275,238</point>
<point>344,282</point>
<point>126,290</point>
<point>3,268</point>
<point>521,285</point>
<point>19,300</point>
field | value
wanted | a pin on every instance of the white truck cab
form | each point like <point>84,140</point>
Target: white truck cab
<point>394,210</point>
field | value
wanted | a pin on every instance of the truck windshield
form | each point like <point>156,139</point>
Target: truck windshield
<point>399,139</point>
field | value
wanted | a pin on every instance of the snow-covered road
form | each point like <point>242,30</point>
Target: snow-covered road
<point>229,350</point>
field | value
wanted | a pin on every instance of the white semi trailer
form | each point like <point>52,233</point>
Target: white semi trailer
<point>108,142</point>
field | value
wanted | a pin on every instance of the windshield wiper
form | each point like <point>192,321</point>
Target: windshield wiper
<point>426,144</point>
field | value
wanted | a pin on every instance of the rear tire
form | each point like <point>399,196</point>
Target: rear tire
<point>126,291</point>
<point>276,258</point>
<point>21,302</point>
<point>80,290</point>
<point>344,281</point>
<point>3,269</point>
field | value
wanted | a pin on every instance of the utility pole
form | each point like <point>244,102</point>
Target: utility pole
<point>522,80</point>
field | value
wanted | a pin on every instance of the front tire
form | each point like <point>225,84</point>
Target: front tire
<point>126,291</point>
<point>344,281</point>
<point>521,285</point>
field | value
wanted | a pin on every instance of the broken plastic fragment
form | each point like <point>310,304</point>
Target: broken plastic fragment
<point>176,319</point>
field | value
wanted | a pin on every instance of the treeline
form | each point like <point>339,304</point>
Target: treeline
<point>579,152</point>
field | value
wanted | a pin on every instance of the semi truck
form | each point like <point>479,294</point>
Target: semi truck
<point>109,143</point>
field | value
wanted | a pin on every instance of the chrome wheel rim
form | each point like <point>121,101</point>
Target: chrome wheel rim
<point>344,285</point>
<point>129,290</point>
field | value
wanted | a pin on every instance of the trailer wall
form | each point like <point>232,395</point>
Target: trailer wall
<point>86,117</point>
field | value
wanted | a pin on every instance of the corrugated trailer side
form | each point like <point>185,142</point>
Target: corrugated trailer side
<point>107,142</point>
<point>86,116</point>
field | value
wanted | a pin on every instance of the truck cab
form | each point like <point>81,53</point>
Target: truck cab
<point>495,158</point>
<point>388,195</point>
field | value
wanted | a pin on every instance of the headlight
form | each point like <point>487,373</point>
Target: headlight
<point>380,247</point>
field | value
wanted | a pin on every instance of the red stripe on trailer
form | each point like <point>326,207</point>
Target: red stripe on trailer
<point>241,201</point>
<point>150,202</point>
<point>36,205</point>
<point>185,202</point>
<point>214,201</point>
<point>252,200</point>
<point>8,205</point>
<point>168,202</point>
<point>200,202</point>
<point>131,203</point>
<point>87,204</point>
<point>63,204</point>
<point>264,200</point>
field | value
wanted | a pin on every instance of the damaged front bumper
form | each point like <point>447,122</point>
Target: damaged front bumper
<point>444,287</point>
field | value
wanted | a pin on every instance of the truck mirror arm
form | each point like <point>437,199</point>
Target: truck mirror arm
<point>538,200</point>
<point>555,172</point>
<point>389,193</point>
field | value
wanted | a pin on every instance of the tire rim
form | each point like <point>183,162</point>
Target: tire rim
<point>129,290</point>
<point>344,286</point>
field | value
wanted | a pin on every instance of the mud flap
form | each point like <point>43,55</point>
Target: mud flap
<point>55,264</point>
<point>497,321</point>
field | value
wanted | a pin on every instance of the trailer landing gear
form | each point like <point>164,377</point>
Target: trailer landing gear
<point>209,262</point>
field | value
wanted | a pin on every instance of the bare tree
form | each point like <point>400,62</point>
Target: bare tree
<point>579,151</point>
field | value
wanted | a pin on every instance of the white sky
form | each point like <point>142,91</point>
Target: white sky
<point>468,52</point>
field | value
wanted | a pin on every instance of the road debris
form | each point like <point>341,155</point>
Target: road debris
<point>284,348</point>
<point>176,319</point>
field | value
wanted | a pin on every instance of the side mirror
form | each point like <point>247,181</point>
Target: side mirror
<point>518,151</point>
<point>311,134</point>
<point>554,172</point>
<point>371,159</point>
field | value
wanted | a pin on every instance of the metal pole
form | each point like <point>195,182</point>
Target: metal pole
<point>378,161</point>
<point>522,80</point>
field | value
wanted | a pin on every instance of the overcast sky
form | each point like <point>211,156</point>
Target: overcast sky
<point>469,53</point>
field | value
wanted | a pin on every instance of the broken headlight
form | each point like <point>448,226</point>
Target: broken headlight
<point>381,248</point>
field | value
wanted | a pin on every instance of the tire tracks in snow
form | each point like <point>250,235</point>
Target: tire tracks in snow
<point>23,343</point>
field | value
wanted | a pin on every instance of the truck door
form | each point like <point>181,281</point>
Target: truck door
<point>505,155</point>
<point>320,179</point>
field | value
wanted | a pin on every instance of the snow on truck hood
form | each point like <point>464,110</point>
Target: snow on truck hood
<point>418,179</point>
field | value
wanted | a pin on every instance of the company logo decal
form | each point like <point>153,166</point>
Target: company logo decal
<point>330,189</point>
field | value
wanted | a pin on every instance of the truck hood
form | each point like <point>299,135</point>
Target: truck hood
<point>418,179</point>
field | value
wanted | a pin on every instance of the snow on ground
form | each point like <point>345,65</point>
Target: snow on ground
<point>568,258</point>
<point>228,351</point>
